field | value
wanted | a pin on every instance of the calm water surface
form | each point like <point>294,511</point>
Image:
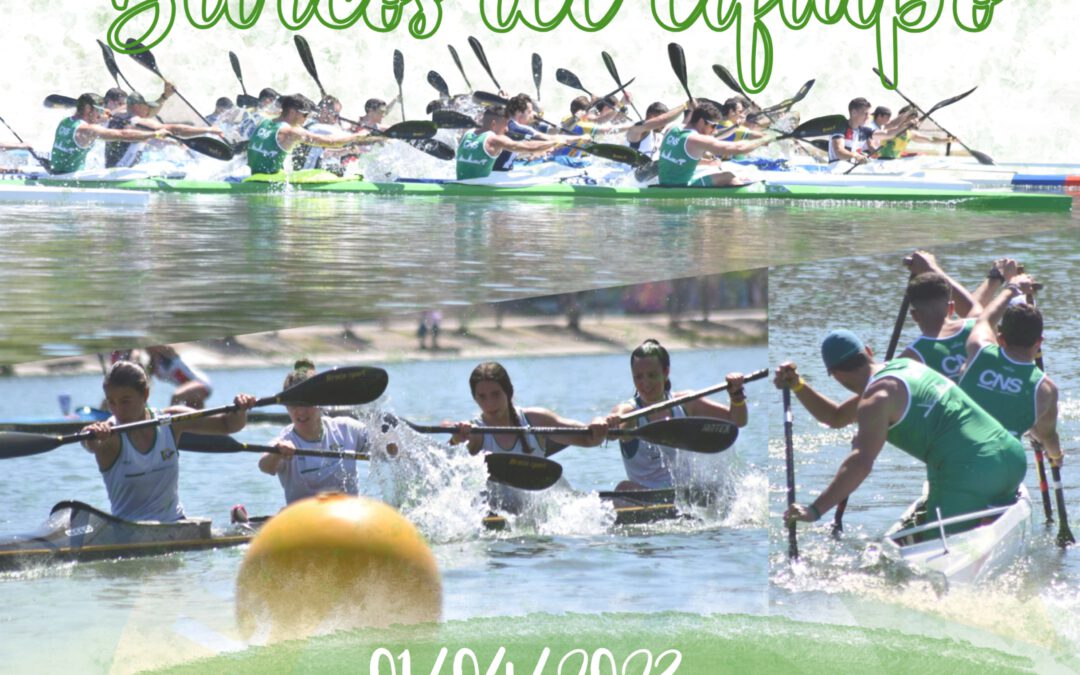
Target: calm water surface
<point>77,279</point>
<point>1037,600</point>
<point>563,557</point>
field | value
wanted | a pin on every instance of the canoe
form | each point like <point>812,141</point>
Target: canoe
<point>79,532</point>
<point>87,415</point>
<point>967,557</point>
<point>983,200</point>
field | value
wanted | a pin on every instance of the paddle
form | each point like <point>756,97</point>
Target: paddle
<point>695,434</point>
<point>478,49</point>
<point>788,103</point>
<point>728,79</point>
<point>59,101</point>
<point>616,153</point>
<point>938,106</point>
<point>243,100</point>
<point>409,131</point>
<point>981,157</point>
<point>678,64</point>
<point>789,465</point>
<point>564,76</point>
<point>610,64</point>
<point>214,443</point>
<point>40,160</point>
<point>537,72</point>
<point>522,471</point>
<point>452,119</point>
<point>354,385</point>
<point>210,146</point>
<point>673,402</point>
<point>304,50</point>
<point>399,75</point>
<point>434,147</point>
<point>818,126</point>
<point>110,65</point>
<point>145,59</point>
<point>436,80</point>
<point>461,69</point>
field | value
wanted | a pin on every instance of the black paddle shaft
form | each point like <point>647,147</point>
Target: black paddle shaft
<point>789,464</point>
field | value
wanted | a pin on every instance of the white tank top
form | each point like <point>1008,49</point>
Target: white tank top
<point>308,476</point>
<point>532,447</point>
<point>648,464</point>
<point>145,486</point>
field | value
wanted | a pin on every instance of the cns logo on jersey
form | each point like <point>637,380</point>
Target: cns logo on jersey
<point>995,381</point>
<point>951,365</point>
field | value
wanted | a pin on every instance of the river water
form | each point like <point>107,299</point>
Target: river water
<point>1035,602</point>
<point>126,615</point>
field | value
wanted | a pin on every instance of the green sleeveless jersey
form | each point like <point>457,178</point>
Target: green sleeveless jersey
<point>1003,387</point>
<point>67,154</point>
<point>264,153</point>
<point>895,146</point>
<point>473,161</point>
<point>942,425</point>
<point>676,165</point>
<point>945,355</point>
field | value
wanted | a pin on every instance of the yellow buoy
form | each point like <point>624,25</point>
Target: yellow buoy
<point>335,562</point>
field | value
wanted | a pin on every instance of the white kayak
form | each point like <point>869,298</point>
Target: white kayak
<point>70,195</point>
<point>967,557</point>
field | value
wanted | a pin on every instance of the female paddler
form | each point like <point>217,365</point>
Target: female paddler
<point>494,393</point>
<point>141,467</point>
<point>648,465</point>
<point>303,476</point>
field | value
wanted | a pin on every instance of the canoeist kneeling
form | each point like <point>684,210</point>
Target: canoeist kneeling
<point>141,467</point>
<point>274,139</point>
<point>972,461</point>
<point>648,465</point>
<point>684,148</point>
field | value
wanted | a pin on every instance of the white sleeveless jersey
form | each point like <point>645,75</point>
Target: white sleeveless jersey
<point>145,486</point>
<point>303,477</point>
<point>648,464</point>
<point>532,447</point>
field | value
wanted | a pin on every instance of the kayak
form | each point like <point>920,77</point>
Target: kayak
<point>756,194</point>
<point>639,514</point>
<point>66,195</point>
<point>79,532</point>
<point>967,557</point>
<point>86,415</point>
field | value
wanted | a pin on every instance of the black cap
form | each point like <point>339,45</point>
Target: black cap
<point>135,98</point>
<point>269,93</point>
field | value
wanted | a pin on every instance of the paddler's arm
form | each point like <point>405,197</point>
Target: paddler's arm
<point>464,434</point>
<point>89,132</point>
<point>290,136</point>
<point>823,408</point>
<point>1001,273</point>
<point>496,144</point>
<point>924,261</point>
<point>104,444</point>
<point>875,411</point>
<point>222,423</point>
<point>843,153</point>
<point>542,417</point>
<point>700,143</point>
<point>270,462</point>
<point>658,122</point>
<point>734,412</point>
<point>986,328</point>
<point>1045,427</point>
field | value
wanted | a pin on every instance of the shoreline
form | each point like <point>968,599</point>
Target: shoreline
<point>396,340</point>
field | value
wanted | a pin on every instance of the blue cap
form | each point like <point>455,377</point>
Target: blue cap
<point>838,346</point>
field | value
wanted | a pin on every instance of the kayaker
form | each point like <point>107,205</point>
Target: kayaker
<point>326,123</point>
<point>274,139</point>
<point>972,461</point>
<point>684,148</point>
<point>141,468</point>
<point>480,147</point>
<point>138,114</point>
<point>163,362</point>
<point>857,141</point>
<point>645,136</point>
<point>494,392</point>
<point>235,122</point>
<point>1001,374</point>
<point>733,126</point>
<point>302,476</point>
<point>523,126</point>
<point>901,132</point>
<point>76,135</point>
<point>648,465</point>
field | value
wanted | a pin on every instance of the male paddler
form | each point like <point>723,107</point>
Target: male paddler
<point>480,147</point>
<point>1001,374</point>
<point>75,135</point>
<point>972,461</point>
<point>857,141</point>
<point>139,114</point>
<point>684,148</point>
<point>274,139</point>
<point>645,136</point>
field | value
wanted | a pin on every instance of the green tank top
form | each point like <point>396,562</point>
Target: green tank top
<point>945,355</point>
<point>473,161</point>
<point>941,426</point>
<point>1003,387</point>
<point>264,153</point>
<point>67,154</point>
<point>895,146</point>
<point>676,165</point>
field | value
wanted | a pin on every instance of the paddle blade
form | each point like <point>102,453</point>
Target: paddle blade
<point>354,385</point>
<point>564,76</point>
<point>399,66</point>
<point>788,103</point>
<point>478,49</point>
<point>461,69</point>
<point>617,153</point>
<point>304,50</point>
<point>18,444</point>
<point>211,146</point>
<point>678,64</point>
<point>209,443</point>
<point>522,471</point>
<point>609,63</point>
<point>433,147</point>
<point>949,101</point>
<point>235,61</point>
<point>110,61</point>
<point>981,157</point>
<point>727,78</point>
<point>142,56</point>
<point>696,434</point>
<point>437,81</point>
<point>452,119</point>
<point>411,130</point>
<point>247,101</point>
<point>58,101</point>
<point>819,126</point>
<point>537,73</point>
<point>488,99</point>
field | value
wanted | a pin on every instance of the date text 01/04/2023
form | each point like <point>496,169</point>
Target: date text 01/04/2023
<point>574,662</point>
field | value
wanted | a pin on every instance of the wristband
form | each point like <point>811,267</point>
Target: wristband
<point>814,512</point>
<point>741,403</point>
<point>798,386</point>
<point>995,273</point>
